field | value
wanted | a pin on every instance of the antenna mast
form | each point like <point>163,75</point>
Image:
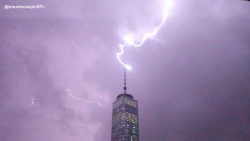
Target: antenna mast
<point>125,88</point>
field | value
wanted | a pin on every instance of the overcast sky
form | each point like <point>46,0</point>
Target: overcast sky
<point>192,80</point>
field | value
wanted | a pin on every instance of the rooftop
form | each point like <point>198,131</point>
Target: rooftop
<point>127,95</point>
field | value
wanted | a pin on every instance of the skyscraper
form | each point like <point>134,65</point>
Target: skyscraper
<point>125,123</point>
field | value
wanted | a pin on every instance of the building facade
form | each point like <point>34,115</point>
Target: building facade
<point>125,120</point>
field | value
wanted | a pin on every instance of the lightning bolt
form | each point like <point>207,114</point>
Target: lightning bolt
<point>82,99</point>
<point>129,41</point>
<point>32,103</point>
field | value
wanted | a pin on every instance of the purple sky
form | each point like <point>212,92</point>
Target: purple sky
<point>192,80</point>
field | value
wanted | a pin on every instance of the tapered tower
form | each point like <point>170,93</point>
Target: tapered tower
<point>125,120</point>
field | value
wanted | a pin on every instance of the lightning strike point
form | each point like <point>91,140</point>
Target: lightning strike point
<point>128,67</point>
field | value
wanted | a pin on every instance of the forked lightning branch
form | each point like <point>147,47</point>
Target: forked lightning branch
<point>130,41</point>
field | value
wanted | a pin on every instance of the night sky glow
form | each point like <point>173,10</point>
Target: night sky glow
<point>192,79</point>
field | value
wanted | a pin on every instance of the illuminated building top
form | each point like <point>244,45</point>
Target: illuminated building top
<point>125,120</point>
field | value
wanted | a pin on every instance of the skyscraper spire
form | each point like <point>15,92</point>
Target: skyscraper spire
<point>125,88</point>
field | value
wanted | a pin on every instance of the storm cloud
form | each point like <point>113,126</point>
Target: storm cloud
<point>192,80</point>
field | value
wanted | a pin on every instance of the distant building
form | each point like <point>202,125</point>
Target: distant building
<point>125,121</point>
